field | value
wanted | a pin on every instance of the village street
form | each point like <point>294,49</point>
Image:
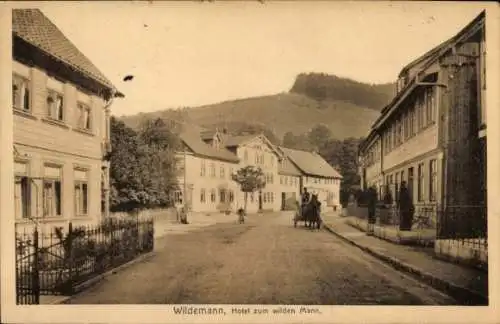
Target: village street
<point>264,261</point>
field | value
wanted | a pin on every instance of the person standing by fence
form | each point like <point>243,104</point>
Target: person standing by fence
<point>372,205</point>
<point>405,208</point>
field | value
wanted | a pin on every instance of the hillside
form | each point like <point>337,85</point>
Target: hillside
<point>322,86</point>
<point>279,113</point>
<point>345,106</point>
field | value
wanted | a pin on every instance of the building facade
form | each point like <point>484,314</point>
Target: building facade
<point>210,158</point>
<point>317,176</point>
<point>61,127</point>
<point>290,180</point>
<point>433,134</point>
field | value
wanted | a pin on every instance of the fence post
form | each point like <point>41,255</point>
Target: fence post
<point>69,242</point>
<point>36,269</point>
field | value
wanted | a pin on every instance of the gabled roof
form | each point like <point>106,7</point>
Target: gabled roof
<point>237,140</point>
<point>289,168</point>
<point>32,26</point>
<point>207,134</point>
<point>437,51</point>
<point>311,163</point>
<point>193,140</point>
<point>429,58</point>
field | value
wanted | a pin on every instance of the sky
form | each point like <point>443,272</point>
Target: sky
<point>196,53</point>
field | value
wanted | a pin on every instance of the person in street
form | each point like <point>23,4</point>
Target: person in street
<point>372,204</point>
<point>305,196</point>
<point>305,200</point>
<point>405,208</point>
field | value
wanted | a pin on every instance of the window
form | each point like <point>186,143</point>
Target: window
<point>265,197</point>
<point>245,156</point>
<point>203,195</point>
<point>222,171</point>
<point>272,160</point>
<point>396,186</point>
<point>177,197</point>
<point>412,122</point>
<point>212,169</point>
<point>21,97</point>
<point>203,169</point>
<point>421,112</point>
<point>52,191</point>
<point>55,105</point>
<point>433,180</point>
<point>420,182</point>
<point>81,192</point>
<point>406,125</point>
<point>222,195</point>
<point>84,121</point>
<point>430,103</point>
<point>22,191</point>
<point>231,196</point>
<point>286,180</point>
<point>212,195</point>
<point>410,181</point>
<point>399,132</point>
<point>281,180</point>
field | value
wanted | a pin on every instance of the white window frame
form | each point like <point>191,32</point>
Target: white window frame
<point>55,112</point>
<point>24,105</point>
<point>203,195</point>
<point>203,170</point>
<point>22,198</point>
<point>81,124</point>
<point>81,201</point>
<point>56,205</point>
<point>213,195</point>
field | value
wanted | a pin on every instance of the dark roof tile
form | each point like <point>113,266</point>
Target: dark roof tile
<point>311,163</point>
<point>34,27</point>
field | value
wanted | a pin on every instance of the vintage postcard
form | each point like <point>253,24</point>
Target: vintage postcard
<point>249,161</point>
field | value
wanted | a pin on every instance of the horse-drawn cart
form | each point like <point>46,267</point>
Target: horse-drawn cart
<point>309,214</point>
<point>298,217</point>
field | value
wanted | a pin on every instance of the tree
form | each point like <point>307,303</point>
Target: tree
<point>319,136</point>
<point>160,146</point>
<point>128,190</point>
<point>299,142</point>
<point>250,179</point>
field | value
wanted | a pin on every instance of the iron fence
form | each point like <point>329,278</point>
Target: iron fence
<point>55,263</point>
<point>424,215</point>
<point>466,224</point>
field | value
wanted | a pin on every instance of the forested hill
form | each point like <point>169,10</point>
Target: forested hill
<point>348,108</point>
<point>321,86</point>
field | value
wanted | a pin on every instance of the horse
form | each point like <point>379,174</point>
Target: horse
<point>312,212</point>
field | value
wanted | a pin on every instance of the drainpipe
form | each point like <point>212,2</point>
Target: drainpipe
<point>107,147</point>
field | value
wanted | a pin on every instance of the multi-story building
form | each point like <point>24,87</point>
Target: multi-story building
<point>205,174</point>
<point>210,157</point>
<point>433,133</point>
<point>290,179</point>
<point>317,176</point>
<point>61,105</point>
